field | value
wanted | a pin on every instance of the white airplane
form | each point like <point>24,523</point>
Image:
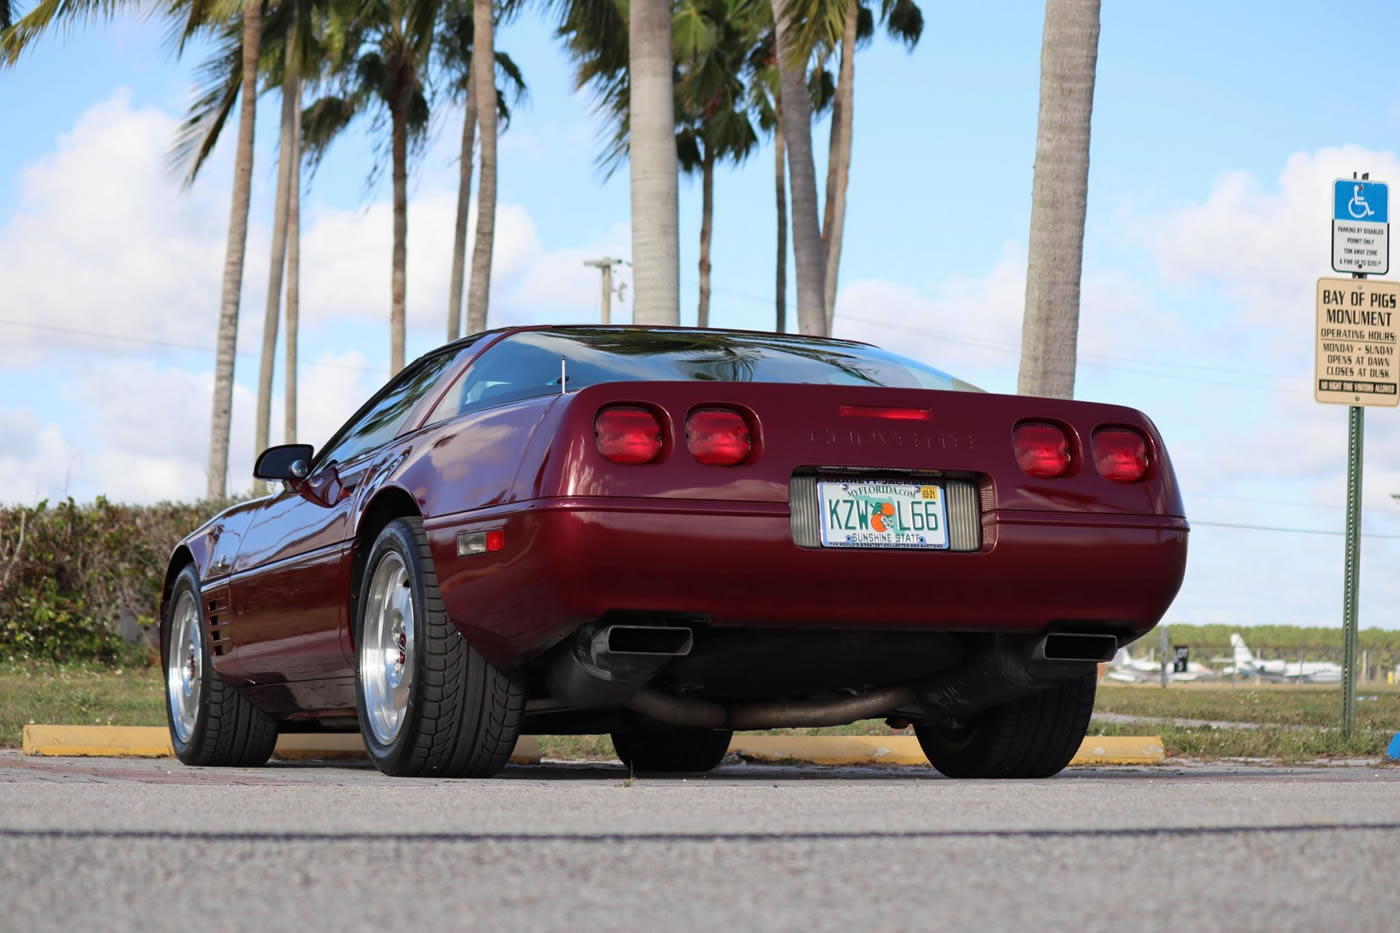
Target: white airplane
<point>1308,672</point>
<point>1130,670</point>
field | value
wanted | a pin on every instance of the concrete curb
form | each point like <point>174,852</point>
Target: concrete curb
<point>154,742</point>
<point>905,750</point>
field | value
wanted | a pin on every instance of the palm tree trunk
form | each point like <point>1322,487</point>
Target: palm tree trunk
<point>293,312</point>
<point>484,83</point>
<point>797,131</point>
<point>652,163</point>
<point>222,409</point>
<point>459,236</point>
<point>707,213</point>
<point>780,177</point>
<point>398,285</point>
<point>276,263</point>
<point>1059,195</point>
<point>838,165</point>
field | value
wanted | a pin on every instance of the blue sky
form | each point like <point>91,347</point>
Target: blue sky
<point>1217,129</point>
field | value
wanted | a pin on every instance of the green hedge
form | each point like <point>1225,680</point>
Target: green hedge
<point>68,572</point>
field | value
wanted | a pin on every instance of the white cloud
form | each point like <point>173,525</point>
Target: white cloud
<point>104,241</point>
<point>971,325</point>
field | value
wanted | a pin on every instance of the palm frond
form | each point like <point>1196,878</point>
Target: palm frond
<point>321,122</point>
<point>220,80</point>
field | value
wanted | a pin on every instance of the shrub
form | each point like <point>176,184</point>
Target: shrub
<point>69,572</point>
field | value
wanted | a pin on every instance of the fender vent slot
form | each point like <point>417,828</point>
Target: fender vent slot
<point>218,616</point>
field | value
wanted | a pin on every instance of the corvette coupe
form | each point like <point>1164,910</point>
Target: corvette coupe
<point>668,535</point>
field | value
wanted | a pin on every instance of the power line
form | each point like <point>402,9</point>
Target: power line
<point>1296,531</point>
<point>170,345</point>
<point>1306,505</point>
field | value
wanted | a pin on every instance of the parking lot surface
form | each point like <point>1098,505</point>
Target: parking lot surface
<point>114,844</point>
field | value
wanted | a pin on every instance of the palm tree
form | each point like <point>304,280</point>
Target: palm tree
<point>1059,193</point>
<point>455,45</point>
<point>289,431</point>
<point>7,14</point>
<point>904,21</point>
<point>765,97</point>
<point>795,107</point>
<point>653,163</point>
<point>713,40</point>
<point>289,153</point>
<point>483,71</point>
<point>382,62</point>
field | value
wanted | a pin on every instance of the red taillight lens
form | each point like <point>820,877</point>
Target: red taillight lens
<point>1042,449</point>
<point>1121,454</point>
<point>718,436</point>
<point>886,412</point>
<point>627,434</point>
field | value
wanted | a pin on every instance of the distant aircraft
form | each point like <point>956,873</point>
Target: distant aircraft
<point>1127,669</point>
<point>1308,672</point>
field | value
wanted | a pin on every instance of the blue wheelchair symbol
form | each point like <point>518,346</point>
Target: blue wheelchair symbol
<point>1365,201</point>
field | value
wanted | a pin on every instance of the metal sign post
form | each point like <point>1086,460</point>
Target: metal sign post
<point>1356,430</point>
<point>1358,337</point>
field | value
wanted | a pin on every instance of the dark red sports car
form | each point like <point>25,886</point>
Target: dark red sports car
<point>668,535</point>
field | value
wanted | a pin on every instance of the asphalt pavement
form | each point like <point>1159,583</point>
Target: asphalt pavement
<point>110,845</point>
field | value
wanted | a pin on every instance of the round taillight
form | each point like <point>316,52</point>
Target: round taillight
<point>718,436</point>
<point>1042,449</point>
<point>1121,454</point>
<point>628,434</point>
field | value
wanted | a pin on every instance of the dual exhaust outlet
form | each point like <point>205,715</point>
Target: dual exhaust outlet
<point>609,667</point>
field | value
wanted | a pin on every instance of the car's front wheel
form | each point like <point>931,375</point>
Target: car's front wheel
<point>655,749</point>
<point>211,723</point>
<point>429,704</point>
<point>1031,737</point>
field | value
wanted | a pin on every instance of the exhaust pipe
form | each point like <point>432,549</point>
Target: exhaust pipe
<point>1010,668</point>
<point>604,666</point>
<point>1075,646</point>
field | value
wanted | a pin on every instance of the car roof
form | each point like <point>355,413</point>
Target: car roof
<point>635,328</point>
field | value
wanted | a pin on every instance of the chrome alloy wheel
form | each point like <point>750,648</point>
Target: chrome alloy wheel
<point>386,647</point>
<point>184,674</point>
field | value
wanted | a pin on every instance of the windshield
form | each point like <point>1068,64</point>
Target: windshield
<point>598,355</point>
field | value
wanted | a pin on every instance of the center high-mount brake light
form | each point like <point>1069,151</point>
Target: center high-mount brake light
<point>887,412</point>
<point>1120,454</point>
<point>1042,449</point>
<point>718,436</point>
<point>628,434</point>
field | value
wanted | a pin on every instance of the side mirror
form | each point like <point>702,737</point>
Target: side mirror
<point>287,462</point>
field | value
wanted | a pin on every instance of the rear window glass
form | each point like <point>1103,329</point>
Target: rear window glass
<point>527,365</point>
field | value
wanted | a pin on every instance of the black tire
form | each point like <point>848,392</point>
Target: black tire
<point>463,715</point>
<point>228,731</point>
<point>1032,737</point>
<point>651,749</point>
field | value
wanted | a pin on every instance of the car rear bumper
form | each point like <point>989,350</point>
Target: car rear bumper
<point>569,561</point>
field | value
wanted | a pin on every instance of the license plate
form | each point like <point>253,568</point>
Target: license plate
<point>891,515</point>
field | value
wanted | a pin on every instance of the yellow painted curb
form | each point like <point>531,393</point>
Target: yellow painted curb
<point>831,749</point>
<point>905,750</point>
<point>154,742</point>
<point>97,741</point>
<point>1119,750</point>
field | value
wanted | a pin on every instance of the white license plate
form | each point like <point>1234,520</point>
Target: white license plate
<point>877,514</point>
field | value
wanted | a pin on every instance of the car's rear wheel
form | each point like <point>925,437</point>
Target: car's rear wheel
<point>211,723</point>
<point>657,749</point>
<point>429,705</point>
<point>1031,737</point>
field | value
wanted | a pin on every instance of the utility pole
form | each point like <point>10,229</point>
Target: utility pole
<point>606,266</point>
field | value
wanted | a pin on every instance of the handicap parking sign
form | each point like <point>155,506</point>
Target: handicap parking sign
<point>1366,201</point>
<point>1360,226</point>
